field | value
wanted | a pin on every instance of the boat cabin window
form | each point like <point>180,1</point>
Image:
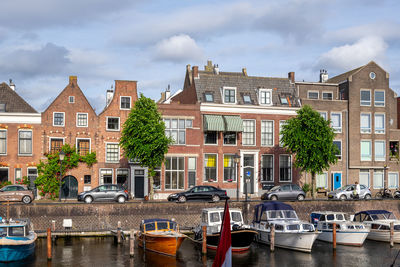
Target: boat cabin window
<point>3,231</point>
<point>307,227</point>
<point>172,225</point>
<point>214,217</point>
<point>384,227</point>
<point>293,227</point>
<point>339,217</point>
<point>162,226</point>
<point>264,217</point>
<point>322,218</point>
<point>375,226</point>
<point>324,226</point>
<point>275,214</point>
<point>278,227</point>
<point>290,214</point>
<point>16,231</point>
<point>396,227</point>
<point>330,226</point>
<point>26,231</point>
<point>236,216</point>
<point>204,217</point>
<point>150,226</point>
<point>350,227</point>
<point>330,217</point>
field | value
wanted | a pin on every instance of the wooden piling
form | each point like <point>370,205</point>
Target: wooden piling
<point>48,244</point>
<point>334,236</point>
<point>204,247</point>
<point>272,242</point>
<point>391,234</point>
<point>119,233</point>
<point>53,229</point>
<point>132,243</point>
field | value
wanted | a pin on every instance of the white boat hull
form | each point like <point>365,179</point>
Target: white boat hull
<point>349,238</point>
<point>383,235</point>
<point>300,241</point>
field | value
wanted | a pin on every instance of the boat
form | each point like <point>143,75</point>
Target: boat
<point>241,234</point>
<point>379,223</point>
<point>17,240</point>
<point>160,236</point>
<point>347,232</point>
<point>290,232</point>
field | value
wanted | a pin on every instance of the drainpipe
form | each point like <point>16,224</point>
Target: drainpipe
<point>347,147</point>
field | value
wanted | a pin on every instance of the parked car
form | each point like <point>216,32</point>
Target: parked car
<point>284,192</point>
<point>16,193</point>
<point>345,192</point>
<point>200,192</point>
<point>107,192</point>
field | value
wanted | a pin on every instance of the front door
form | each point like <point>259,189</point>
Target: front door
<point>337,180</point>
<point>139,183</point>
<point>69,188</point>
<point>248,173</point>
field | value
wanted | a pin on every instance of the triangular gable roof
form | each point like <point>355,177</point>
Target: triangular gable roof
<point>344,76</point>
<point>14,102</point>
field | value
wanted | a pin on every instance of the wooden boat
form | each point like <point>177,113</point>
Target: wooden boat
<point>161,236</point>
<point>17,241</point>
<point>241,235</point>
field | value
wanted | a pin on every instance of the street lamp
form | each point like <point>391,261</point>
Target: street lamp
<point>61,155</point>
<point>236,158</point>
<point>384,176</point>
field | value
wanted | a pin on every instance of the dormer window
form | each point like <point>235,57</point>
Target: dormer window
<point>284,100</point>
<point>229,95</point>
<point>265,97</point>
<point>209,97</point>
<point>247,99</point>
<point>71,99</point>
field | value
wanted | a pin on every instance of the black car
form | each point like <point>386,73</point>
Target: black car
<point>285,192</point>
<point>201,192</point>
<point>106,192</point>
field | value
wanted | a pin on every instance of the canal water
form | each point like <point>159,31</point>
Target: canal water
<point>104,252</point>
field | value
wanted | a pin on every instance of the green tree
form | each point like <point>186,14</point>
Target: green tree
<point>310,138</point>
<point>143,136</point>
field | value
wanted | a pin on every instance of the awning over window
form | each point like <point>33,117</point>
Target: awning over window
<point>214,123</point>
<point>233,124</point>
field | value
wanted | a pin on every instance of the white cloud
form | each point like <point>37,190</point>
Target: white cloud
<point>178,48</point>
<point>354,55</point>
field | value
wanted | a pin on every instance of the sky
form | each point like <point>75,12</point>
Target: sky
<point>43,42</point>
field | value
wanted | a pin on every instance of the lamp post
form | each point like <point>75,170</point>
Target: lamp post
<point>236,158</point>
<point>384,176</point>
<point>61,155</point>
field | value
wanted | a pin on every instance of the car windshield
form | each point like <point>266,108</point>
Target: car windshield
<point>343,188</point>
<point>275,188</point>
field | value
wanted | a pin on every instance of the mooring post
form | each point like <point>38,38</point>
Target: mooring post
<point>204,247</point>
<point>119,233</point>
<point>334,236</point>
<point>53,229</point>
<point>48,244</point>
<point>132,243</point>
<point>391,234</point>
<point>272,242</point>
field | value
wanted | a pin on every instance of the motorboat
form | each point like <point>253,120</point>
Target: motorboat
<point>379,223</point>
<point>17,240</point>
<point>290,232</point>
<point>241,234</point>
<point>347,232</point>
<point>160,236</point>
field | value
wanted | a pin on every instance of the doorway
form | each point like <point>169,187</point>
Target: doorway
<point>139,183</point>
<point>248,173</point>
<point>69,188</point>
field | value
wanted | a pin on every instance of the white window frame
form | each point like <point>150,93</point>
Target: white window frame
<point>365,130</point>
<point>291,168</point>
<point>370,149</point>
<point>120,102</point>
<point>281,123</point>
<point>5,145</point>
<point>71,97</point>
<point>63,124</point>
<point>326,180</point>
<point>396,180</point>
<point>15,174</point>
<point>380,158</point>
<point>383,179</point>
<point>234,170</point>
<point>19,149</point>
<point>119,152</point>
<point>87,119</point>
<point>327,92</point>
<point>337,129</point>
<point>177,171</point>
<point>119,124</point>
<point>370,96</point>
<point>223,139</point>
<point>90,143</point>
<point>325,114</point>
<point>369,177</point>
<point>273,127</point>
<point>380,102</point>
<point>268,100</point>
<point>312,91</point>
<point>380,131</point>
<point>101,180</point>
<point>169,130</point>
<point>254,132</point>
<point>273,169</point>
<point>223,94</point>
<point>341,147</point>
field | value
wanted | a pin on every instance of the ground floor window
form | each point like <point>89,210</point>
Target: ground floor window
<point>364,177</point>
<point>18,175</point>
<point>378,179</point>
<point>210,167</point>
<point>157,178</point>
<point>122,177</point>
<point>191,172</point>
<point>393,180</point>
<point>322,180</point>
<point>174,172</point>
<point>87,179</point>
<point>3,174</point>
<point>267,168</point>
<point>285,168</point>
<point>106,176</point>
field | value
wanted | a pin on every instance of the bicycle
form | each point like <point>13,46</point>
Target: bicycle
<point>384,193</point>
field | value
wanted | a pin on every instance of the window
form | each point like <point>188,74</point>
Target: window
<point>379,123</point>
<point>267,168</point>
<point>229,168</point>
<point>176,129</point>
<point>313,94</point>
<point>210,167</point>
<point>247,99</point>
<point>81,119</point>
<point>191,172</point>
<point>394,149</point>
<point>379,99</point>
<point>265,97</point>
<point>323,115</point>
<point>322,180</point>
<point>393,180</point>
<point>248,136</point>
<point>378,179</point>
<point>229,95</point>
<point>230,138</point>
<point>122,177</point>
<point>112,152</point>
<point>281,123</point>
<point>174,173</point>
<point>210,138</point>
<point>113,123</point>
<point>125,102</point>
<point>56,144</point>
<point>83,146</point>
<point>106,176</point>
<point>87,179</point>
<point>364,177</point>
<point>365,96</point>
<point>208,97</point>
<point>18,175</point>
<point>338,144</point>
<point>380,152</point>
<point>2,107</point>
<point>365,123</point>
<point>365,150</point>
<point>285,168</point>
<point>58,119</point>
<point>189,123</point>
<point>327,95</point>
<point>284,100</point>
<point>3,142</point>
<point>4,174</point>
<point>336,119</point>
<point>71,99</point>
<point>157,178</point>
<point>267,133</point>
<point>25,142</point>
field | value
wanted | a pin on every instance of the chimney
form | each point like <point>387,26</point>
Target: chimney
<point>323,76</point>
<point>167,93</point>
<point>216,69</point>
<point>12,85</point>
<point>73,79</point>
<point>209,66</point>
<point>109,96</point>
<point>291,76</point>
<point>195,70</point>
<point>244,71</point>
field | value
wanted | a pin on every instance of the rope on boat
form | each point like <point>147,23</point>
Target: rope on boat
<point>192,239</point>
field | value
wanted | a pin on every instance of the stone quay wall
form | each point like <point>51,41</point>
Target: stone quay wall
<point>105,216</point>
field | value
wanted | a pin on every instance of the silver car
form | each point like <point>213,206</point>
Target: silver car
<point>346,192</point>
<point>107,192</point>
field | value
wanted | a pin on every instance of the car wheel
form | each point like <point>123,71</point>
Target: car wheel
<point>343,197</point>
<point>121,199</point>
<point>274,197</point>
<point>26,199</point>
<point>215,198</point>
<point>182,199</point>
<point>88,199</point>
<point>367,196</point>
<point>300,197</point>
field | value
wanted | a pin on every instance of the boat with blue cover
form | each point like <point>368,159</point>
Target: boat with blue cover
<point>17,240</point>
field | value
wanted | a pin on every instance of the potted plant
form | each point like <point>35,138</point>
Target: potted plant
<point>307,189</point>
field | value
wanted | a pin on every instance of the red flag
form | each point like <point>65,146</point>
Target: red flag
<point>224,250</point>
